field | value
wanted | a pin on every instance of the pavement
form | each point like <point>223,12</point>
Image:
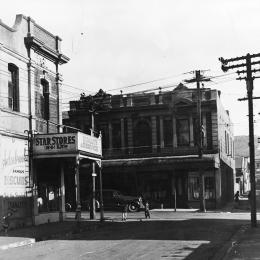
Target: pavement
<point>244,244</point>
<point>29,235</point>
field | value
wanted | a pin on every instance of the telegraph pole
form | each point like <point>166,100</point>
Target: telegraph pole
<point>249,84</point>
<point>199,78</point>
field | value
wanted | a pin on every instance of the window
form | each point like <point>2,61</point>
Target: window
<point>183,133</point>
<point>194,183</point>
<point>46,97</point>
<point>116,134</point>
<point>194,187</point>
<point>13,87</point>
<point>105,136</point>
<point>209,187</point>
<point>167,129</point>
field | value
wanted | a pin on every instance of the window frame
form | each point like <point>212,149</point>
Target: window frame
<point>13,87</point>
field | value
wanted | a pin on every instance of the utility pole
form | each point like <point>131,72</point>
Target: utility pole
<point>99,102</point>
<point>249,84</point>
<point>199,78</point>
<point>93,201</point>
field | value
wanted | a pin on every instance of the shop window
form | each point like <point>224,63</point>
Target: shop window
<point>48,198</point>
<point>209,187</point>
<point>194,188</point>
<point>183,133</point>
<point>13,87</point>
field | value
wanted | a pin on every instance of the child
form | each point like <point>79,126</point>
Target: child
<point>146,210</point>
<point>124,212</point>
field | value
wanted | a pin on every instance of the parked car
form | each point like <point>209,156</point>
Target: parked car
<point>114,199</point>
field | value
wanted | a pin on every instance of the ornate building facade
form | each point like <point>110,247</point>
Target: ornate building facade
<point>30,57</point>
<point>150,145</point>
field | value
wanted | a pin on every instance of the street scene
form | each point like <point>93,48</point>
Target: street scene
<point>167,235</point>
<point>129,129</point>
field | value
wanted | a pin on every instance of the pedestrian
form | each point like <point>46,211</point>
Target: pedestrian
<point>124,212</point>
<point>236,196</point>
<point>147,210</point>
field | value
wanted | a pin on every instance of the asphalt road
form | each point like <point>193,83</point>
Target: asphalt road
<point>167,235</point>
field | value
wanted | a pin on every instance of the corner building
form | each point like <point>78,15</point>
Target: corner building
<point>33,149</point>
<point>150,146</point>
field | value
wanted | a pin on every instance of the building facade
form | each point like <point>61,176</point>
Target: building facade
<point>30,81</point>
<point>150,145</point>
<point>242,174</point>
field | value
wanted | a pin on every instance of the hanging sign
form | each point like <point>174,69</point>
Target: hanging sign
<point>66,143</point>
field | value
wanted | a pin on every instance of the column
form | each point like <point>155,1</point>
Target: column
<point>122,134</point>
<point>130,134</point>
<point>110,138</point>
<point>174,134</point>
<point>161,133</point>
<point>77,187</point>
<point>204,127</point>
<point>62,192</point>
<point>34,189</point>
<point>154,133</point>
<point>191,131</point>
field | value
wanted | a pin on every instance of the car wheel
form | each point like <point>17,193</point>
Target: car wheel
<point>68,207</point>
<point>133,207</point>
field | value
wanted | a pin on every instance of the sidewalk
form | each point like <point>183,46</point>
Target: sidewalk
<point>245,244</point>
<point>31,234</point>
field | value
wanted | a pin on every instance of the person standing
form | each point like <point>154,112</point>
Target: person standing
<point>124,212</point>
<point>236,196</point>
<point>147,210</point>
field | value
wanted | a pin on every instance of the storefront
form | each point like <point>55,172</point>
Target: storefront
<point>167,181</point>
<point>55,157</point>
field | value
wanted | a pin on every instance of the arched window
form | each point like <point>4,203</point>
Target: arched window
<point>13,87</point>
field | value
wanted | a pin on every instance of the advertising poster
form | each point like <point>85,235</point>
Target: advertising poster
<point>14,174</point>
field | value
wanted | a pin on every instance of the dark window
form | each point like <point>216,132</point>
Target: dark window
<point>195,131</point>
<point>209,130</point>
<point>167,132</point>
<point>13,87</point>
<point>183,132</point>
<point>142,137</point>
<point>158,133</point>
<point>126,132</point>
<point>105,139</point>
<point>46,99</point>
<point>209,187</point>
<point>194,187</point>
<point>116,134</point>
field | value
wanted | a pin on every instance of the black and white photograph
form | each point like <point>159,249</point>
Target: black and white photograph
<point>129,129</point>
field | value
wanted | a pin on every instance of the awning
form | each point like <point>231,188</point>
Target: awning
<point>209,160</point>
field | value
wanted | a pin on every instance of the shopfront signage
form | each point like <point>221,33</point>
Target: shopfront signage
<point>14,174</point>
<point>66,143</point>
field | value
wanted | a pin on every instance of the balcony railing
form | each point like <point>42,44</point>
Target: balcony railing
<point>131,152</point>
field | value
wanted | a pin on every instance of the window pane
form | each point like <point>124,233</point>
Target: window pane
<point>194,188</point>
<point>13,87</point>
<point>167,127</point>
<point>183,133</point>
<point>209,188</point>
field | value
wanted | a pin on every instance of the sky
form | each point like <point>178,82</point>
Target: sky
<point>119,43</point>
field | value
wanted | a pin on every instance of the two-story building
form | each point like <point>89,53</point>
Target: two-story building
<point>30,103</point>
<point>150,145</point>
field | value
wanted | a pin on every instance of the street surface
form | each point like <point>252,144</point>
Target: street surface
<point>167,235</point>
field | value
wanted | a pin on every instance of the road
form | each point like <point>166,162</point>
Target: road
<point>167,235</point>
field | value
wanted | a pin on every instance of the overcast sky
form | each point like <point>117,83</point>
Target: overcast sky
<point>113,44</point>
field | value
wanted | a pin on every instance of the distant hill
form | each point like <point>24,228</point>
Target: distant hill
<point>242,146</point>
